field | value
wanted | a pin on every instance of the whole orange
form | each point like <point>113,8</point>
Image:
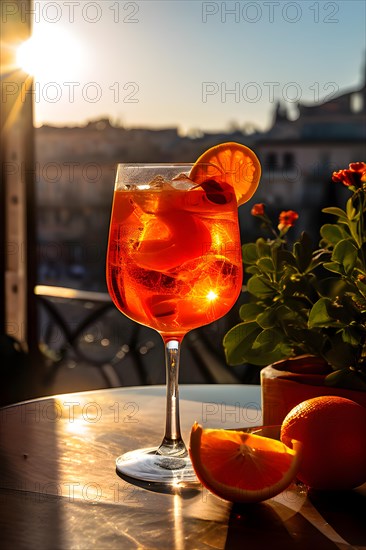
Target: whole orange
<point>332,431</point>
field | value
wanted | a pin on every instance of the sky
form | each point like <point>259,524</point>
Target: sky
<point>195,65</point>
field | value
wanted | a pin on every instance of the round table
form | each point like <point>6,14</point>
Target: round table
<point>59,488</point>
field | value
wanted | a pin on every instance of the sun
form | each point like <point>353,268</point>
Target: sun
<point>50,53</point>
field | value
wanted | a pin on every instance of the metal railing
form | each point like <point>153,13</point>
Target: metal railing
<point>79,325</point>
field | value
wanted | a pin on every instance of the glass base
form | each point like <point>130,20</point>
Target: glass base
<point>148,466</point>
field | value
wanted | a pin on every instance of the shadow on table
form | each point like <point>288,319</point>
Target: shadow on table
<point>259,526</point>
<point>265,526</point>
<point>345,512</point>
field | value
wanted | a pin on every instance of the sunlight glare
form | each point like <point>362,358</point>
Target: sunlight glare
<point>78,426</point>
<point>50,52</point>
<point>211,296</point>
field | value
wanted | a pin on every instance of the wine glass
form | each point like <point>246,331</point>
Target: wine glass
<point>173,264</point>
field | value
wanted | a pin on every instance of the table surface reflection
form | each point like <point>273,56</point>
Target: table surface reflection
<point>59,488</point>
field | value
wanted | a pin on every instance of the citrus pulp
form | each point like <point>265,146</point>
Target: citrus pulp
<point>231,163</point>
<point>242,467</point>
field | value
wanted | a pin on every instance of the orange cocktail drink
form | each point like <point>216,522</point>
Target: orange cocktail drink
<point>174,259</point>
<point>174,264</point>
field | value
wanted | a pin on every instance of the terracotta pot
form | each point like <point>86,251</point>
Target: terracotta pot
<point>287,383</point>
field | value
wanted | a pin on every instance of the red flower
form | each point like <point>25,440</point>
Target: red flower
<point>354,176</point>
<point>257,210</point>
<point>287,219</point>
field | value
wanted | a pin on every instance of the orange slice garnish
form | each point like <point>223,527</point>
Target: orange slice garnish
<point>230,163</point>
<point>242,467</point>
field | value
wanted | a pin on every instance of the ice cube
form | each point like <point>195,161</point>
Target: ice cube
<point>158,183</point>
<point>154,280</point>
<point>162,306</point>
<point>182,182</point>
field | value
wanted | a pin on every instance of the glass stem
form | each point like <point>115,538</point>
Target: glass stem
<point>172,444</point>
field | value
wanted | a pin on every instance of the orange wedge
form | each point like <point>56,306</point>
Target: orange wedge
<point>242,467</point>
<point>230,163</point>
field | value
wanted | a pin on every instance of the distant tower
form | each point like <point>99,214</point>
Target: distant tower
<point>280,113</point>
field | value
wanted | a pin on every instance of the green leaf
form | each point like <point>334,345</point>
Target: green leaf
<point>285,257</point>
<point>296,285</point>
<point>299,310</point>
<point>253,270</point>
<point>266,265</point>
<point>341,311</point>
<point>319,316</point>
<point>319,258</point>
<point>330,287</point>
<point>303,252</point>
<point>249,312</point>
<point>263,248</point>
<point>238,341</point>
<point>335,212</point>
<point>345,378</point>
<point>334,267</point>
<point>258,286</point>
<point>345,253</point>
<point>290,313</point>
<point>249,253</point>
<point>350,209</point>
<point>267,318</point>
<point>352,336</point>
<point>309,341</point>
<point>353,227</point>
<point>361,287</point>
<point>267,340</point>
<point>332,233</point>
<point>262,359</point>
<point>341,354</point>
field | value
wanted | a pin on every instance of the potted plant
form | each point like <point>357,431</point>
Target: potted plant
<point>305,310</point>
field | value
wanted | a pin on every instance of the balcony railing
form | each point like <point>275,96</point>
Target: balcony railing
<point>80,326</point>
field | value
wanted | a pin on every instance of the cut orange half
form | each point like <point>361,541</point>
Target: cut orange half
<point>230,163</point>
<point>242,467</point>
